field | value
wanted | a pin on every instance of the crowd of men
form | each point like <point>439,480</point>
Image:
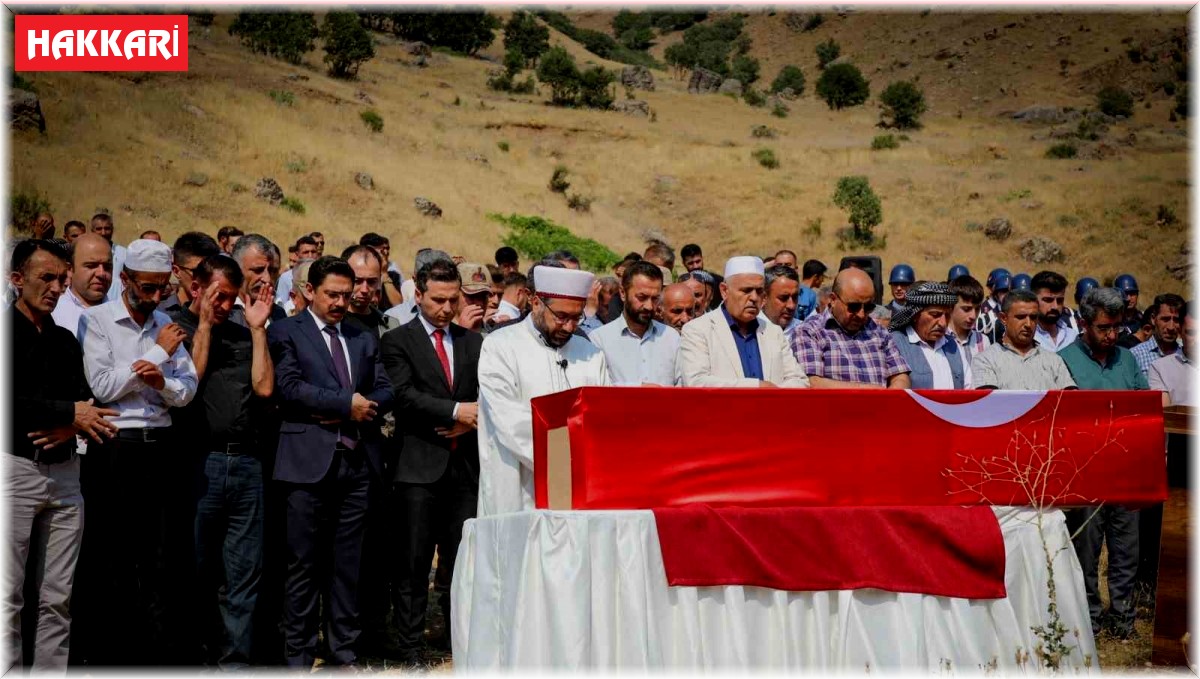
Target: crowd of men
<point>272,451</point>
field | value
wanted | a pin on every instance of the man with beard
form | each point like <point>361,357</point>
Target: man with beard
<point>190,249</point>
<point>1165,341</point>
<point>136,364</point>
<point>1018,361</point>
<point>1054,328</point>
<point>733,347</point>
<point>368,277</point>
<point>91,277</point>
<point>638,349</point>
<point>259,260</point>
<point>236,377</point>
<point>782,297</point>
<point>1096,362</point>
<point>843,347</point>
<point>920,332</point>
<point>537,356</point>
<point>678,306</point>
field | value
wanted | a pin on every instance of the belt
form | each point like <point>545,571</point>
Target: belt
<point>243,448</point>
<point>143,435</point>
<point>52,456</point>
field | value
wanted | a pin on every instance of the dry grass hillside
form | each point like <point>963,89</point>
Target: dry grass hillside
<point>128,144</point>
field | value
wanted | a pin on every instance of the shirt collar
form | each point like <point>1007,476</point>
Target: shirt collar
<point>429,327</point>
<point>732,323</point>
<point>826,318</point>
<point>321,324</point>
<point>75,299</point>
<point>1182,358</point>
<point>122,313</point>
<point>1087,351</point>
<point>916,339</point>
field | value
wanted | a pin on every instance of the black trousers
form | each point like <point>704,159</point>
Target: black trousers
<point>126,604</point>
<point>1119,527</point>
<point>325,525</point>
<point>427,515</point>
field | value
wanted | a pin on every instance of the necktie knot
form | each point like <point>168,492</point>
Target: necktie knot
<point>439,333</point>
<point>330,330</point>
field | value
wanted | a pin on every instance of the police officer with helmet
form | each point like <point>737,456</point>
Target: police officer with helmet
<point>1128,285</point>
<point>901,279</point>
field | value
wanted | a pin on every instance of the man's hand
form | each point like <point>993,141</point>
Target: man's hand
<point>468,414</point>
<point>764,384</point>
<point>50,438</point>
<point>150,373</point>
<point>89,420</point>
<point>207,305</point>
<point>260,308</point>
<point>362,410</point>
<point>469,315</point>
<point>170,337</point>
<point>454,432</point>
<point>43,227</point>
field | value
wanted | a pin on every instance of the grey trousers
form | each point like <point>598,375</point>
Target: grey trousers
<point>46,528</point>
<point>1118,527</point>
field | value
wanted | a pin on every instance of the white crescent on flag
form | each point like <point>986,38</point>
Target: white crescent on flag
<point>994,409</point>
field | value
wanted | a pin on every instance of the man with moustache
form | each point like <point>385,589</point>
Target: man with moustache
<point>1018,361</point>
<point>1054,329</point>
<point>91,277</point>
<point>190,249</point>
<point>782,296</point>
<point>920,333</point>
<point>332,391</point>
<point>40,465</point>
<point>236,378</point>
<point>843,347</point>
<point>638,349</point>
<point>259,261</point>
<point>732,347</point>
<point>136,364</point>
<point>678,306</point>
<point>537,356</point>
<point>1165,341</point>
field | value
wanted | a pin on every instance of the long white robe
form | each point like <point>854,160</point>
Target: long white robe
<point>516,365</point>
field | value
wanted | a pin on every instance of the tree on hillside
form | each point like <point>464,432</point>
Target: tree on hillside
<point>557,69</point>
<point>465,30</point>
<point>347,44</point>
<point>594,89</point>
<point>789,76</point>
<point>527,36</point>
<point>638,38</point>
<point>843,85</point>
<point>745,69</point>
<point>854,194</point>
<point>284,35</point>
<point>626,21</point>
<point>827,51</point>
<point>680,56</point>
<point>903,103</point>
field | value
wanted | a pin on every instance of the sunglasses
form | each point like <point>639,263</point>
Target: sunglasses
<point>855,307</point>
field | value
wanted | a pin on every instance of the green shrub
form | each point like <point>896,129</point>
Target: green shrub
<point>579,203</point>
<point>25,207</point>
<point>558,180</point>
<point>594,89</point>
<point>513,62</point>
<point>789,76</point>
<point>843,85</point>
<point>903,104</point>
<point>500,81</point>
<point>779,110</point>
<point>1063,150</point>
<point>827,52</point>
<point>527,86</point>
<point>745,69</point>
<point>854,195</point>
<point>557,69</point>
<point>1114,101</point>
<point>293,205</point>
<point>297,166</point>
<point>1181,101</point>
<point>884,141</point>
<point>284,35</point>
<point>1169,88</point>
<point>372,120</point>
<point>762,132</point>
<point>524,34</point>
<point>766,158</point>
<point>812,229</point>
<point>637,38</point>
<point>711,46</point>
<point>813,22</point>
<point>284,98</point>
<point>1165,216</point>
<point>20,83</point>
<point>347,44</point>
<point>535,237</point>
<point>754,98</point>
<point>502,145</point>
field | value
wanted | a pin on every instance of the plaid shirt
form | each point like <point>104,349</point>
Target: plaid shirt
<point>1148,352</point>
<point>824,349</point>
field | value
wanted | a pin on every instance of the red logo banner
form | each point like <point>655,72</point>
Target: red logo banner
<point>100,42</point>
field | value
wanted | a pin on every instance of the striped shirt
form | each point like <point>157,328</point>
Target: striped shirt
<point>824,349</point>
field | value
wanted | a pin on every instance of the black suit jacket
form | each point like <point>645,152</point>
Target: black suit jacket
<point>424,402</point>
<point>307,386</point>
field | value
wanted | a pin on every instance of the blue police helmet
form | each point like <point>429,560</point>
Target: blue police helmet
<point>902,273</point>
<point>956,271</point>
<point>1083,285</point>
<point>1021,281</point>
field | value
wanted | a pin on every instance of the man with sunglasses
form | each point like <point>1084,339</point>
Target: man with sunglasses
<point>843,347</point>
<point>136,364</point>
<point>1096,362</point>
<point>537,356</point>
<point>1054,330</point>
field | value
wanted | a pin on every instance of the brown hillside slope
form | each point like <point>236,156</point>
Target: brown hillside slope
<point>128,147</point>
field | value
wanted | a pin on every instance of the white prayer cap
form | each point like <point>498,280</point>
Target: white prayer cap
<point>748,264</point>
<point>148,256</point>
<point>562,283</point>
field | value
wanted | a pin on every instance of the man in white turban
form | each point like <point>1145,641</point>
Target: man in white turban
<point>538,356</point>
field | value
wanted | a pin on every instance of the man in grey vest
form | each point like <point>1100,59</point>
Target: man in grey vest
<point>919,331</point>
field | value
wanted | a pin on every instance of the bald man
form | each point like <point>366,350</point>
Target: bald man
<point>678,306</point>
<point>843,348</point>
<point>91,277</point>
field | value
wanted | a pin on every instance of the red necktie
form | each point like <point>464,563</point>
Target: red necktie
<point>438,335</point>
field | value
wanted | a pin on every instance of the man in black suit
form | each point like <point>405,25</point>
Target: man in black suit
<point>333,391</point>
<point>433,365</point>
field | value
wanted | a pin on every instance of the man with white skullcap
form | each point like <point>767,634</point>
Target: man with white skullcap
<point>538,356</point>
<point>136,364</point>
<point>732,347</point>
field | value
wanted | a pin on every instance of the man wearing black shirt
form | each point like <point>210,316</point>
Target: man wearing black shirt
<point>189,250</point>
<point>51,404</point>
<point>364,311</point>
<point>233,365</point>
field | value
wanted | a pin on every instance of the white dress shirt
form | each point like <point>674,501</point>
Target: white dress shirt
<point>329,343</point>
<point>509,310</point>
<point>448,345</point>
<point>632,361</point>
<point>1066,335</point>
<point>112,341</point>
<point>68,310</point>
<point>403,312</point>
<point>939,363</point>
<point>283,288</point>
<point>118,253</point>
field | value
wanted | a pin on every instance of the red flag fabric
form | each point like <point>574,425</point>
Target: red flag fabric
<point>648,447</point>
<point>943,551</point>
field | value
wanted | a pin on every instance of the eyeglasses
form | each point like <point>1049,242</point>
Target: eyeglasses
<point>855,307</point>
<point>148,289</point>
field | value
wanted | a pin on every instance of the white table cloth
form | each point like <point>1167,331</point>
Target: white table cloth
<point>584,590</point>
